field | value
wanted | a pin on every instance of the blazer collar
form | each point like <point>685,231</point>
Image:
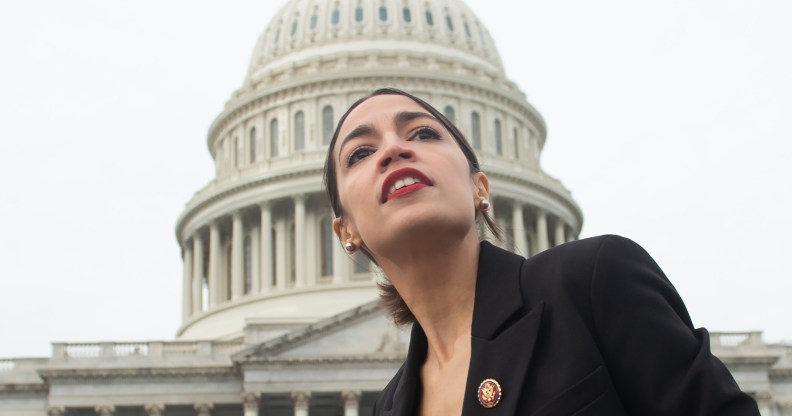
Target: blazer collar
<point>502,327</point>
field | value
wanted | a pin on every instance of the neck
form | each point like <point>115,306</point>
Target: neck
<point>437,281</point>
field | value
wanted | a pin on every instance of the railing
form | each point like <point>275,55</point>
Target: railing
<point>736,339</point>
<point>89,350</point>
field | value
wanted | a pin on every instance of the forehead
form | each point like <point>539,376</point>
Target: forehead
<point>380,108</point>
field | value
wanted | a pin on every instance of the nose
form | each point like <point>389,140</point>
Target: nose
<point>394,151</point>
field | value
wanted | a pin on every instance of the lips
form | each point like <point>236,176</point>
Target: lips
<point>402,182</point>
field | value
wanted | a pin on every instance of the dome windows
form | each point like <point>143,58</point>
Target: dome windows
<point>467,29</point>
<point>383,13</point>
<point>498,138</point>
<point>406,15</point>
<point>252,145</point>
<point>429,18</point>
<point>335,17</point>
<point>475,130</point>
<point>293,28</point>
<point>450,114</point>
<point>449,23</point>
<point>328,125</point>
<point>359,14</point>
<point>313,22</point>
<point>299,131</point>
<point>274,137</point>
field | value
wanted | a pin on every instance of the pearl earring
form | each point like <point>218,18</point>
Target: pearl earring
<point>484,204</point>
<point>350,247</point>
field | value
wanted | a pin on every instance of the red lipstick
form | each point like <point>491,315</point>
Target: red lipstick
<point>402,182</point>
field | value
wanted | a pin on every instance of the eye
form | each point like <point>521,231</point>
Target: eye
<point>359,154</point>
<point>426,133</point>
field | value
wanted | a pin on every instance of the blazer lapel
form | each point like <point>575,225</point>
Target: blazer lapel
<point>503,333</point>
<point>408,390</point>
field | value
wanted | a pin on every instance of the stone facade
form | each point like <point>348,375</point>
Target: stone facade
<point>277,320</point>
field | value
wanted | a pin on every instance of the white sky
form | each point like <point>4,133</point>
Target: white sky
<point>669,122</point>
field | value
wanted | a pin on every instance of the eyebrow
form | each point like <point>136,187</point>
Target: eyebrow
<point>401,118</point>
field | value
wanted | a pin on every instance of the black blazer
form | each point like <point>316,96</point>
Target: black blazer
<point>591,327</point>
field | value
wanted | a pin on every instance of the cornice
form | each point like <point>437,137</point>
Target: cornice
<point>780,373</point>
<point>396,359</point>
<point>766,360</point>
<point>60,374</point>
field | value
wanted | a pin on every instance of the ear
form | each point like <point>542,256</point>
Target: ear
<point>345,231</point>
<point>481,185</point>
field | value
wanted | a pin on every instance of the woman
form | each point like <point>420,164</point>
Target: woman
<point>591,327</point>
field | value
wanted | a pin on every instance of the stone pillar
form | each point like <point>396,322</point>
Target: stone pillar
<point>542,240</point>
<point>301,401</point>
<point>280,253</point>
<point>56,411</point>
<point>267,260</point>
<point>104,410</point>
<point>560,238</point>
<point>198,274</point>
<point>299,240</point>
<point>237,256</point>
<point>204,409</point>
<point>351,400</point>
<point>154,409</point>
<point>518,227</point>
<point>187,289</point>
<point>214,264</point>
<point>255,261</point>
<point>250,403</point>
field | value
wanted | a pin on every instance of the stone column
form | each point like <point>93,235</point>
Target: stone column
<point>104,410</point>
<point>154,409</point>
<point>187,289</point>
<point>299,240</point>
<point>267,260</point>
<point>214,264</point>
<point>250,403</point>
<point>198,273</point>
<point>518,227</point>
<point>255,261</point>
<point>204,409</point>
<point>280,253</point>
<point>542,240</point>
<point>351,400</point>
<point>560,238</point>
<point>237,256</point>
<point>301,401</point>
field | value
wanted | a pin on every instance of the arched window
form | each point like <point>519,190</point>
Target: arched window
<point>406,15</point>
<point>498,138</point>
<point>239,155</point>
<point>277,36</point>
<point>467,30</point>
<point>291,253</point>
<point>314,19</point>
<point>274,257</point>
<point>449,23</point>
<point>299,131</point>
<point>429,18</point>
<point>475,130</point>
<point>326,244</point>
<point>327,124</point>
<point>383,13</point>
<point>359,14</point>
<point>335,17</point>
<point>294,28</point>
<point>450,113</point>
<point>252,144</point>
<point>274,137</point>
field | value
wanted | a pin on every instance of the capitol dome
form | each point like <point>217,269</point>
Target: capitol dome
<point>259,253</point>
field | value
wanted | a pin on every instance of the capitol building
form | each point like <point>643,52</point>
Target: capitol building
<point>277,319</point>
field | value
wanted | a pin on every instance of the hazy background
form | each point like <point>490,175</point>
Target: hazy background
<point>671,123</point>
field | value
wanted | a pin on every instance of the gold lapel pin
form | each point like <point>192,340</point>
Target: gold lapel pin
<point>489,393</point>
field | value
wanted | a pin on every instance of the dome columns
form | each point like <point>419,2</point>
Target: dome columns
<point>531,229</point>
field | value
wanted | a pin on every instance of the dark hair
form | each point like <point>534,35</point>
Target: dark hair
<point>389,297</point>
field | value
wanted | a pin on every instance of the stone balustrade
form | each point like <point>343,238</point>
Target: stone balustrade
<point>720,340</point>
<point>151,349</point>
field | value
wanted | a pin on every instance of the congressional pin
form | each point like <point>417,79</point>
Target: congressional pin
<point>489,393</point>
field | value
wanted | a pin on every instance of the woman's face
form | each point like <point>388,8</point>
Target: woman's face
<point>401,175</point>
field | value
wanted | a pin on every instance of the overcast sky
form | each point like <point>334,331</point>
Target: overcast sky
<point>670,123</point>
